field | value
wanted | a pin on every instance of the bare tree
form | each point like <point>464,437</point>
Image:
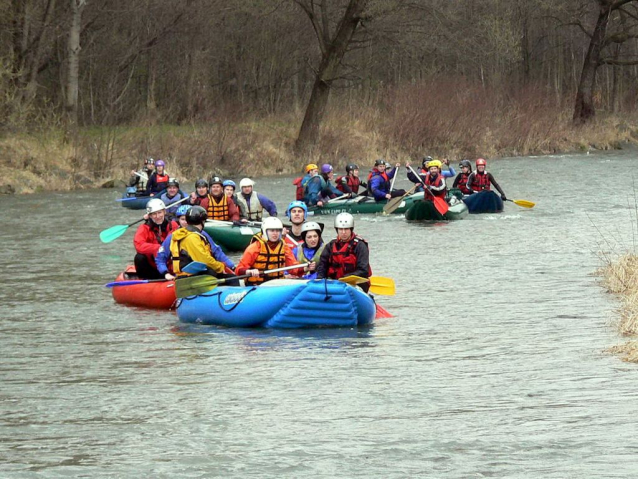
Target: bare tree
<point>73,52</point>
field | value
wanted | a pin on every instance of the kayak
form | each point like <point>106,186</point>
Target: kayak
<point>280,303</point>
<point>424,210</point>
<point>133,201</point>
<point>157,295</point>
<point>362,205</point>
<point>230,236</point>
<point>484,202</point>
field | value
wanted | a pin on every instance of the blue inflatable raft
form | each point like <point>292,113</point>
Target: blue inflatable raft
<point>484,202</point>
<point>280,303</point>
<point>132,201</point>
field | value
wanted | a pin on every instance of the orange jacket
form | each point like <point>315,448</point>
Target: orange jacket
<point>252,252</point>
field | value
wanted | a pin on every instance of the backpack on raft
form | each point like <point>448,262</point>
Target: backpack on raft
<point>299,193</point>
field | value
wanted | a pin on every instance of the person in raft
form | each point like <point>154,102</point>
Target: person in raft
<point>350,183</point>
<point>229,189</point>
<point>158,179</point>
<point>218,206</point>
<point>460,181</point>
<point>379,181</point>
<point>297,212</point>
<point>140,178</point>
<point>480,179</point>
<point>200,193</point>
<point>163,256</point>
<point>347,255</point>
<point>189,244</point>
<point>425,169</point>
<point>268,251</point>
<point>433,179</point>
<point>309,251</point>
<point>172,195</point>
<point>149,237</point>
<point>252,204</point>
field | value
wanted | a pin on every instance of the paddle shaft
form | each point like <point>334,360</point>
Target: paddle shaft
<point>135,281</point>
<point>394,203</point>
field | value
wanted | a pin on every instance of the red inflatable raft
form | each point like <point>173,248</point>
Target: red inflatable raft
<point>158,295</point>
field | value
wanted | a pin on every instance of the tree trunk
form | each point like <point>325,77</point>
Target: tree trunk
<point>34,65</point>
<point>77,6</point>
<point>584,106</point>
<point>328,69</point>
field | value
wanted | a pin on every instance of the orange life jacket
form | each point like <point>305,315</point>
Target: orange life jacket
<point>218,210</point>
<point>268,258</point>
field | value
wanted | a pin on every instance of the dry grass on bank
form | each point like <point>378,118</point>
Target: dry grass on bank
<point>439,118</point>
<point>621,278</point>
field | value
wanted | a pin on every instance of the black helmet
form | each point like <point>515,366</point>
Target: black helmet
<point>379,162</point>
<point>201,182</point>
<point>426,160</point>
<point>172,182</point>
<point>351,167</point>
<point>216,180</point>
<point>196,216</point>
<point>465,163</point>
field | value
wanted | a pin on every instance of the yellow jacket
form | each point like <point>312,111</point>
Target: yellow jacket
<point>188,245</point>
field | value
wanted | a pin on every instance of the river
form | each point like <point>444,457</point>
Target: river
<point>493,365</point>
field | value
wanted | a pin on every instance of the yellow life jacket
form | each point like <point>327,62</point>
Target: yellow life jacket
<point>218,210</point>
<point>180,256</point>
<point>268,259</point>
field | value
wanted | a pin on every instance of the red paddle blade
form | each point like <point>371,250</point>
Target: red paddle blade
<point>440,204</point>
<point>382,312</point>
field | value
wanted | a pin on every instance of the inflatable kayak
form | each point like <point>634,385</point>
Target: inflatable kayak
<point>362,205</point>
<point>229,236</point>
<point>280,303</point>
<point>154,295</point>
<point>424,210</point>
<point>484,202</point>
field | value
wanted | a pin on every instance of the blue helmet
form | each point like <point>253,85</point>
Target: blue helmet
<point>297,204</point>
<point>182,210</point>
<point>229,183</point>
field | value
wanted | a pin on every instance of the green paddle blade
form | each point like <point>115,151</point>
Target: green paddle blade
<point>112,233</point>
<point>194,285</point>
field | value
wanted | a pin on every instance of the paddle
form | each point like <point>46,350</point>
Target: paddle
<point>439,203</point>
<point>194,285</point>
<point>393,204</point>
<point>191,268</point>
<point>130,198</point>
<point>378,284</point>
<point>114,232</point>
<point>336,199</point>
<point>523,203</point>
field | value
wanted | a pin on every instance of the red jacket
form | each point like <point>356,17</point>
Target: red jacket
<point>149,236</point>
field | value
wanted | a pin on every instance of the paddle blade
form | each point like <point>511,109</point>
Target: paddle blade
<point>440,204</point>
<point>194,285</point>
<point>524,203</point>
<point>392,205</point>
<point>353,280</point>
<point>383,286</point>
<point>382,312</point>
<point>113,233</point>
<point>194,267</point>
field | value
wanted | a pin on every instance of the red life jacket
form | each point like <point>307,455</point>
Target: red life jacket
<point>161,180</point>
<point>299,191</point>
<point>480,182</point>
<point>439,180</point>
<point>343,261</point>
<point>383,175</point>
<point>462,183</point>
<point>353,183</point>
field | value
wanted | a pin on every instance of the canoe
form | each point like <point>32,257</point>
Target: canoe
<point>159,295</point>
<point>133,201</point>
<point>424,210</point>
<point>484,202</point>
<point>366,206</point>
<point>229,236</point>
<point>280,303</point>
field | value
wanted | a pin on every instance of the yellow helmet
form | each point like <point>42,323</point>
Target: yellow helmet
<point>311,166</point>
<point>432,163</point>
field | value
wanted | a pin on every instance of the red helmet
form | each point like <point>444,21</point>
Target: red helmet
<point>481,162</point>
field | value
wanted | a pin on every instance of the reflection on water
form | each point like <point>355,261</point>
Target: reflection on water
<point>492,365</point>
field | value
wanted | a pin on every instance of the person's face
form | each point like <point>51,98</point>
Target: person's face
<point>229,190</point>
<point>158,217</point>
<point>344,233</point>
<point>465,169</point>
<point>202,190</point>
<point>150,166</point>
<point>182,221</point>
<point>160,170</point>
<point>330,174</point>
<point>355,172</point>
<point>381,167</point>
<point>172,190</point>
<point>296,216</point>
<point>273,235</point>
<point>216,189</point>
<point>314,172</point>
<point>434,170</point>
<point>246,190</point>
<point>312,239</point>
<point>481,168</point>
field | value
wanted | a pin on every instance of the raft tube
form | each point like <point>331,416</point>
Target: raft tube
<point>229,236</point>
<point>424,210</point>
<point>484,202</point>
<point>362,206</point>
<point>159,295</point>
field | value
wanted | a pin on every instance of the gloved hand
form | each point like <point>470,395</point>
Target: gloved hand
<point>227,270</point>
<point>503,198</point>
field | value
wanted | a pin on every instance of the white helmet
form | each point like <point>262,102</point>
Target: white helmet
<point>344,220</point>
<point>271,223</point>
<point>155,205</point>
<point>246,182</point>
<point>310,226</point>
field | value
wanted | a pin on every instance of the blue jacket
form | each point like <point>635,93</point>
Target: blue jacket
<point>163,256</point>
<point>312,189</point>
<point>377,184</point>
<point>171,210</point>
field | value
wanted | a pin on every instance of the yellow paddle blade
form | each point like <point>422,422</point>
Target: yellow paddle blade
<point>378,284</point>
<point>525,203</point>
<point>353,280</point>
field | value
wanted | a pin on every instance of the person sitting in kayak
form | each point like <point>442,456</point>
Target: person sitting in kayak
<point>252,204</point>
<point>218,206</point>
<point>189,244</point>
<point>433,179</point>
<point>158,179</point>
<point>480,180</point>
<point>300,183</point>
<point>268,251</point>
<point>149,237</point>
<point>172,195</point>
<point>460,181</point>
<point>312,184</point>
<point>139,179</point>
<point>425,168</point>
<point>229,189</point>
<point>309,251</point>
<point>297,211</point>
<point>163,256</point>
<point>200,193</point>
<point>347,255</point>
<point>350,183</point>
<point>379,181</point>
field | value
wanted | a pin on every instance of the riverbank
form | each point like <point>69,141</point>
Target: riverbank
<point>232,146</point>
<point>620,277</point>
